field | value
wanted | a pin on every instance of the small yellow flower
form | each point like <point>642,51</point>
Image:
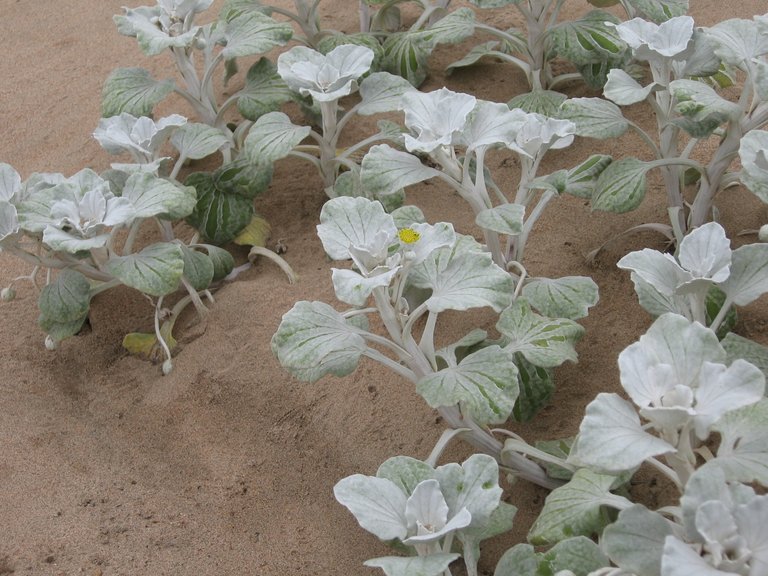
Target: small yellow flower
<point>408,235</point>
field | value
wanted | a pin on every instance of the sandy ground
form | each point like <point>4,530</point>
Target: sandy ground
<point>227,465</point>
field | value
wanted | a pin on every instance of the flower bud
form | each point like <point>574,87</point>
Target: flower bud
<point>7,294</point>
<point>50,343</point>
<point>762,235</point>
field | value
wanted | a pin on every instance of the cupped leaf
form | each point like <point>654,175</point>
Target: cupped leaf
<point>611,438</point>
<point>594,117</point>
<point>142,23</point>
<point>588,39</point>
<point>218,216</point>
<point>568,297</point>
<point>314,340</point>
<point>576,508</point>
<point>635,541</point>
<point>222,261</point>
<point>504,219</point>
<point>545,342</point>
<point>196,141</point>
<point>132,90</point>
<point>743,451</point>
<point>536,386</point>
<point>155,271</point>
<point>622,186</point>
<point>253,33</point>
<point>432,565</point>
<point>405,54</point>
<point>484,384</point>
<point>264,91</point>
<point>385,170</point>
<point>701,109</point>
<point>657,269</point>
<point>272,137</point>
<point>382,92</point>
<point>740,41</point>
<point>198,268</point>
<point>461,280</point>
<point>153,196</point>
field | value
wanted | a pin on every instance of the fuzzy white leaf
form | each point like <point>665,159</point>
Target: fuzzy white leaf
<point>382,92</point>
<point>377,504</point>
<point>435,118</point>
<point>197,141</point>
<point>594,117</point>
<point>748,278</point>
<point>504,219</point>
<point>473,485</point>
<point>568,297</point>
<point>752,152</point>
<point>740,41</point>
<point>624,90</point>
<point>272,137</point>
<point>432,565</point>
<point>253,32</point>
<point>385,170</point>
<point>355,222</point>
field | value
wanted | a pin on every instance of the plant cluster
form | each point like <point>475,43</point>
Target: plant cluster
<point>695,411</point>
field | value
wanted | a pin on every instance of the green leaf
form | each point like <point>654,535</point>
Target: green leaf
<point>253,33</point>
<point>702,110</point>
<point>660,10</point>
<point>568,297</point>
<point>313,340</point>
<point>739,347</point>
<point>580,555</point>
<point>155,271</point>
<point>546,342</point>
<point>504,219</point>
<point>153,196</point>
<point>575,509</point>
<point>621,187</point>
<point>196,141</point>
<point>432,565</point>
<point>64,304</point>
<point>587,40</point>
<point>461,280</point>
<point>382,92</point>
<point>594,117</point>
<point>636,540</point>
<point>472,57</point>
<point>536,386</point>
<point>222,261</point>
<point>451,29</point>
<point>264,91</point>
<point>484,384</point>
<point>385,170</point>
<point>581,180</point>
<point>544,102</point>
<point>272,137</point>
<point>218,216</point>
<point>132,90</point>
<point>198,268</point>
<point>520,560</point>
<point>560,448</point>
<point>405,472</point>
<point>405,54</point>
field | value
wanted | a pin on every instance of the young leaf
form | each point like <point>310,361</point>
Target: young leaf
<point>436,118</point>
<point>624,90</point>
<point>490,124</point>
<point>272,137</point>
<point>142,23</point>
<point>546,342</point>
<point>385,170</point>
<point>155,271</point>
<point>314,340</point>
<point>253,33</point>
<point>222,261</point>
<point>621,187</point>
<point>132,90</point>
<point>504,219</point>
<point>568,297</point>
<point>355,222</point>
<point>484,384</point>
<point>702,110</point>
<point>377,504</point>
<point>636,540</point>
<point>611,438</point>
<point>473,485</point>
<point>196,141</point>
<point>575,509</point>
<point>594,117</point>
<point>432,565</point>
<point>264,91</point>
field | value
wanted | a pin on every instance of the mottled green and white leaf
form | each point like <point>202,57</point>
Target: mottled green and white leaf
<point>132,90</point>
<point>253,33</point>
<point>636,540</point>
<point>273,136</point>
<point>155,271</point>
<point>594,117</point>
<point>196,141</point>
<point>567,297</point>
<point>504,219</point>
<point>153,196</point>
<point>385,170</point>
<point>621,187</point>
<point>382,92</point>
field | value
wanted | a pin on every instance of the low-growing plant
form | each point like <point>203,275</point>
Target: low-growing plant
<point>681,58</point>
<point>413,272</point>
